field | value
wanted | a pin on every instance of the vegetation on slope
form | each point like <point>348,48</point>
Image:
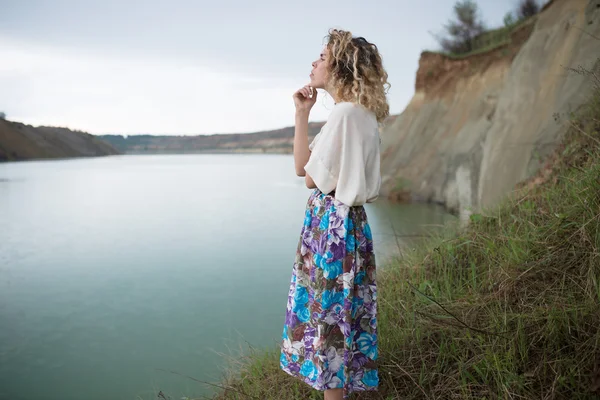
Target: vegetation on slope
<point>467,35</point>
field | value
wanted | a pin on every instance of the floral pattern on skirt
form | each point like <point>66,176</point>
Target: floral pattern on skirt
<point>330,331</point>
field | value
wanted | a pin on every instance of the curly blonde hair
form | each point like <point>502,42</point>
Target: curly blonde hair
<point>356,72</point>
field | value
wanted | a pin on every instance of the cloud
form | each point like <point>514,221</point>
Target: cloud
<point>45,85</point>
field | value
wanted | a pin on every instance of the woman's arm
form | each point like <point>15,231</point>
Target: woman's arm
<point>304,99</point>
<point>301,151</point>
<point>309,182</point>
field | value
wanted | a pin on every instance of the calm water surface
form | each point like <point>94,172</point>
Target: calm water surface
<point>115,269</point>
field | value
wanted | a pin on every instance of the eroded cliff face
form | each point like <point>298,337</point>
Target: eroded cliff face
<point>478,126</point>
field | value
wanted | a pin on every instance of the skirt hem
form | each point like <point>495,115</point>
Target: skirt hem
<point>315,386</point>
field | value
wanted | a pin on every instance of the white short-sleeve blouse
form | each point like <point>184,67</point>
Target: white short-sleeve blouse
<point>345,155</point>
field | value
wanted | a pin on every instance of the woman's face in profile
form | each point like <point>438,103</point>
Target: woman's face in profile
<point>318,76</point>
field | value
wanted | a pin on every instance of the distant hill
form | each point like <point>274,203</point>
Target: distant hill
<point>275,141</point>
<point>25,142</point>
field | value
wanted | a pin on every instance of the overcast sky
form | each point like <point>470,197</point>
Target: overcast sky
<point>193,67</point>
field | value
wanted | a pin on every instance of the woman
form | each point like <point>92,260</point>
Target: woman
<point>330,332</point>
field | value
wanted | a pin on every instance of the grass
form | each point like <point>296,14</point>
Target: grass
<point>402,184</point>
<point>491,39</point>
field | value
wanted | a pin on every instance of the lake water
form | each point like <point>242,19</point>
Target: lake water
<point>115,269</point>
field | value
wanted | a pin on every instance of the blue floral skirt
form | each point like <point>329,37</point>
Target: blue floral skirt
<point>330,332</point>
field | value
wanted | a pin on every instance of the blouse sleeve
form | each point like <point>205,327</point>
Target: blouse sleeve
<point>338,160</point>
<point>315,140</point>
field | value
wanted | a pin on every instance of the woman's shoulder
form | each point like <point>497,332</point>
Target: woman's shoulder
<point>347,119</point>
<point>352,110</point>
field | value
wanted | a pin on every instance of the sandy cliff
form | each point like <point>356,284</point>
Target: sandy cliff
<point>477,126</point>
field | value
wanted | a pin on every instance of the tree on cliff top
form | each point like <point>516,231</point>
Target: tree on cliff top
<point>2,115</point>
<point>463,29</point>
<point>527,8</point>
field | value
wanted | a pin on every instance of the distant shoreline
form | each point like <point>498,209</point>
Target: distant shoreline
<point>213,151</point>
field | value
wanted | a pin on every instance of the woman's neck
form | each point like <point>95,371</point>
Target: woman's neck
<point>331,92</point>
